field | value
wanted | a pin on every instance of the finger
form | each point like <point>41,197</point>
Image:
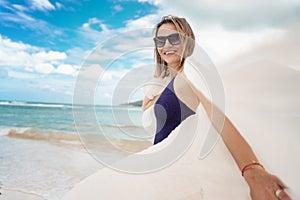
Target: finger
<point>284,196</point>
<point>281,184</point>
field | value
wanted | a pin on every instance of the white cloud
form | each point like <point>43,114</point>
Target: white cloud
<point>25,17</point>
<point>66,69</point>
<point>33,59</point>
<point>21,75</point>
<point>90,73</point>
<point>217,28</point>
<point>118,8</point>
<point>85,25</point>
<point>42,5</point>
<point>50,56</point>
<point>114,42</point>
<point>106,77</point>
<point>76,55</point>
<point>95,31</point>
<point>103,27</point>
<point>220,43</point>
<point>100,56</point>
<point>7,43</point>
<point>247,14</point>
<point>19,7</point>
<point>21,16</point>
<point>154,2</point>
<point>61,87</point>
<point>44,68</point>
<point>147,21</point>
<point>117,74</point>
<point>59,5</point>
<point>14,53</point>
<point>91,21</point>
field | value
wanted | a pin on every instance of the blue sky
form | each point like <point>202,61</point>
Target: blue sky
<point>57,25</point>
<point>52,38</point>
<point>43,43</point>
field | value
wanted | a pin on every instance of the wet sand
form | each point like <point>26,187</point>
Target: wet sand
<point>18,195</point>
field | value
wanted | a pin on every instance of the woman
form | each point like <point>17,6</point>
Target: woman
<point>175,109</point>
<point>174,41</point>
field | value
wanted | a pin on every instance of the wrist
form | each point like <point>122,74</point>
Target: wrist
<point>253,173</point>
<point>251,166</point>
<point>254,170</point>
<point>254,176</point>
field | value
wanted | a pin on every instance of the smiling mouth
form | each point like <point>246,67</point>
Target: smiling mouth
<point>169,52</point>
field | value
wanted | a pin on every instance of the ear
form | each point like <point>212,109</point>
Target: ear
<point>189,46</point>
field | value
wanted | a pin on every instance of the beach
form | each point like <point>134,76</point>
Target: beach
<point>15,195</point>
<point>45,153</point>
<point>262,100</point>
<point>42,151</point>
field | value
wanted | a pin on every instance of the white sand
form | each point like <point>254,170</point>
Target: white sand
<point>18,195</point>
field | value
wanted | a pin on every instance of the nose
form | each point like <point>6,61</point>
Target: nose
<point>167,44</point>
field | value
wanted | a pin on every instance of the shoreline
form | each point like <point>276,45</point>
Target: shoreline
<point>10,194</point>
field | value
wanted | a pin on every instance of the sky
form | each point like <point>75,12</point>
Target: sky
<point>44,44</point>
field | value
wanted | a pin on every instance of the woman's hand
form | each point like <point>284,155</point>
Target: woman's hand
<point>263,186</point>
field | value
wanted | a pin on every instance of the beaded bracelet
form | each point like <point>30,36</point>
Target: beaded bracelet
<point>246,167</point>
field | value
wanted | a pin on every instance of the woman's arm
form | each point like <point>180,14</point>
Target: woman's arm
<point>239,148</point>
<point>146,103</point>
<point>262,184</point>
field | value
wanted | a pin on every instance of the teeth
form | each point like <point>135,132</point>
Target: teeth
<point>168,52</point>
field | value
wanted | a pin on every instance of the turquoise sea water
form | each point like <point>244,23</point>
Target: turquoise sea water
<point>41,150</point>
<point>60,117</point>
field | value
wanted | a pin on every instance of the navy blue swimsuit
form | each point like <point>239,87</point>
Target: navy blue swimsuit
<point>169,111</point>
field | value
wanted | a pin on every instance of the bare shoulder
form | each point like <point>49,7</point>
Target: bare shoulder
<point>147,103</point>
<point>186,91</point>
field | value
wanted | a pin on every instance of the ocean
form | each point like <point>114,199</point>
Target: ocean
<point>43,149</point>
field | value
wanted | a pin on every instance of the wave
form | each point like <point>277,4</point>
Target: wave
<point>122,126</point>
<point>73,139</point>
<point>95,142</point>
<point>4,131</point>
<point>16,130</point>
<point>127,108</point>
<point>36,134</point>
<point>34,104</point>
<point>61,105</point>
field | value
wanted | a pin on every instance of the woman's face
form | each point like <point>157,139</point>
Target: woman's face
<point>170,51</point>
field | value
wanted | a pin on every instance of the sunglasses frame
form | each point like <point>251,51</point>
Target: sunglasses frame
<point>170,38</point>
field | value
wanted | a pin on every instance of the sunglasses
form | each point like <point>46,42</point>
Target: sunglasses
<point>160,41</point>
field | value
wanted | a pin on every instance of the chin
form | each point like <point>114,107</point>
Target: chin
<point>172,61</point>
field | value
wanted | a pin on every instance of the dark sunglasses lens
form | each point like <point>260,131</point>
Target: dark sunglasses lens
<point>159,42</point>
<point>174,39</point>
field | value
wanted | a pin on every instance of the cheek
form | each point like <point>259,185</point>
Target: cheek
<point>160,52</point>
<point>180,49</point>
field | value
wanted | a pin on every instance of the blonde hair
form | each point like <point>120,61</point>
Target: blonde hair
<point>183,27</point>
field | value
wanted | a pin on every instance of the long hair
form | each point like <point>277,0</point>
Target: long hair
<point>184,28</point>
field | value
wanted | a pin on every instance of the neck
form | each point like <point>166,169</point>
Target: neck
<point>174,69</point>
